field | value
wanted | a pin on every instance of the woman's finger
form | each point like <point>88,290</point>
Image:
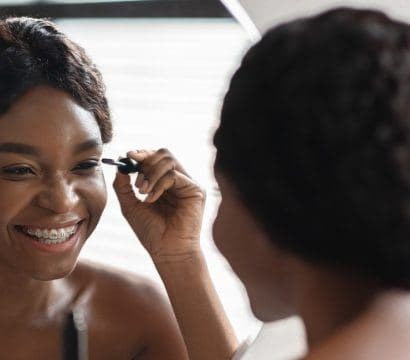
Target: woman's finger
<point>155,156</point>
<point>140,156</point>
<point>148,159</point>
<point>140,180</point>
<point>177,184</point>
<point>125,192</point>
<point>157,171</point>
<point>162,185</point>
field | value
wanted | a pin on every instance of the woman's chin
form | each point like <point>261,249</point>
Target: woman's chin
<point>267,311</point>
<point>271,315</point>
<point>52,274</point>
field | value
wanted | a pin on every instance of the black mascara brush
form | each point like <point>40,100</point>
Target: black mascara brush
<point>125,165</point>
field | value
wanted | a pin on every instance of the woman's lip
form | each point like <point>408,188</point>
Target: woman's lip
<point>51,226</point>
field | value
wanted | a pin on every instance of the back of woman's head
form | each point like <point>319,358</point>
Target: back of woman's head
<point>315,135</point>
<point>33,52</point>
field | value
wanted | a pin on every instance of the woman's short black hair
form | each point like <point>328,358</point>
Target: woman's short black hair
<point>33,52</point>
<point>315,135</point>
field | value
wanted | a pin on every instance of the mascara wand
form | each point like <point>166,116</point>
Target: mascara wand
<point>125,165</point>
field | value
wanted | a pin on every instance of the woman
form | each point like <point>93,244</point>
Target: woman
<point>54,121</point>
<point>313,166</point>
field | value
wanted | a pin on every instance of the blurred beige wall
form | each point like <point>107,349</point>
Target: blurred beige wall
<point>265,13</point>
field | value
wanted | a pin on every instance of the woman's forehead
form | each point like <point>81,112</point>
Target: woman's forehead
<point>47,114</point>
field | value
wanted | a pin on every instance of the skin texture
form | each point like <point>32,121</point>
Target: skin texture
<point>55,184</point>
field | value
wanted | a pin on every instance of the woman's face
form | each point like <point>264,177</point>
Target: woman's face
<point>52,188</point>
<point>256,261</point>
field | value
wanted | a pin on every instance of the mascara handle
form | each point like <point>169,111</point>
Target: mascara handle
<point>130,166</point>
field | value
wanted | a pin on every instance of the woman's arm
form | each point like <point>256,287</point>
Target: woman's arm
<point>162,336</point>
<point>201,317</point>
<point>168,224</point>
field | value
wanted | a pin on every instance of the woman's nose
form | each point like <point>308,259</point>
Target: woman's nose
<point>58,195</point>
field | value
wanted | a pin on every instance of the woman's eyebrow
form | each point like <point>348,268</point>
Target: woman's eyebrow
<point>87,145</point>
<point>24,149</point>
<point>19,149</point>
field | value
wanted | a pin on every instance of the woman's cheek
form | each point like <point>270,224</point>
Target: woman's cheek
<point>95,195</point>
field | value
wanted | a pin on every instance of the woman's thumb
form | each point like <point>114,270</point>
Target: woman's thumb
<point>125,193</point>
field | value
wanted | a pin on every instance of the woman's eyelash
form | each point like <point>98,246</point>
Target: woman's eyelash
<point>87,165</point>
<point>26,171</point>
<point>18,170</point>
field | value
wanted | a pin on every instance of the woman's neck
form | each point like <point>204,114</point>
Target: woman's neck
<point>26,300</point>
<point>328,300</point>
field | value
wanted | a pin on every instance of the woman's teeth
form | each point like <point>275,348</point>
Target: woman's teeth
<point>51,236</point>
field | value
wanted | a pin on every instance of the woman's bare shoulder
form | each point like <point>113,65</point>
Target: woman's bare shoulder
<point>381,332</point>
<point>127,309</point>
<point>112,286</point>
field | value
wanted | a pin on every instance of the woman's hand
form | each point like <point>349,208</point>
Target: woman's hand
<point>168,222</point>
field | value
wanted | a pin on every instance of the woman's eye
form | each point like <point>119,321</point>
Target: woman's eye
<point>18,171</point>
<point>87,165</point>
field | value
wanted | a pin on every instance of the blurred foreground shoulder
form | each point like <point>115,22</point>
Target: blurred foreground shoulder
<point>381,332</point>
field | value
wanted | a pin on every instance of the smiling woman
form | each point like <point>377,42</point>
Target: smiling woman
<point>54,120</point>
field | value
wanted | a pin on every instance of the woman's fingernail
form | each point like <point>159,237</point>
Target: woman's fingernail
<point>139,182</point>
<point>149,197</point>
<point>145,186</point>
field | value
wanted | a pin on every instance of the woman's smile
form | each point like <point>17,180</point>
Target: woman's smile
<point>52,238</point>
